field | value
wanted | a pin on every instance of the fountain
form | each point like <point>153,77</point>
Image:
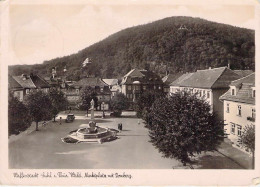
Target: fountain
<point>93,133</point>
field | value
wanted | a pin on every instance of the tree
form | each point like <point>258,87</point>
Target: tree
<point>119,103</point>
<point>145,101</point>
<point>39,105</point>
<point>182,125</point>
<point>87,94</point>
<point>19,118</point>
<point>59,102</point>
<point>247,139</point>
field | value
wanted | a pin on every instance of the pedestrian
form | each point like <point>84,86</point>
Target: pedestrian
<point>121,126</point>
<point>60,120</point>
<point>44,124</point>
<point>118,126</point>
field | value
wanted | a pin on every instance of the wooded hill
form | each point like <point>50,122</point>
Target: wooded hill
<point>179,44</point>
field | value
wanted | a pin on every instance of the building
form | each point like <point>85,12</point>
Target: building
<point>137,81</point>
<point>22,85</point>
<point>167,80</point>
<point>101,88</point>
<point>113,86</point>
<point>239,107</point>
<point>209,84</point>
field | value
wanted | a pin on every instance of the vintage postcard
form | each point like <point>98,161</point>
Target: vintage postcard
<point>131,92</point>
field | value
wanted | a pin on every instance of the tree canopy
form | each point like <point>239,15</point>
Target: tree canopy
<point>59,102</point>
<point>182,125</point>
<point>119,103</point>
<point>19,118</point>
<point>39,105</point>
<point>87,94</point>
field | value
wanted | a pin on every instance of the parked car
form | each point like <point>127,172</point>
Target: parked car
<point>70,118</point>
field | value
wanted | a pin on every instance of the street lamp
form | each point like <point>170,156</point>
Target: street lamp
<point>103,107</point>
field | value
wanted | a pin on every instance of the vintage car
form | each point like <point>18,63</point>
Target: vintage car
<point>70,118</point>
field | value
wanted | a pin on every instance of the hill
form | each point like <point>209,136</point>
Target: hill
<point>176,44</point>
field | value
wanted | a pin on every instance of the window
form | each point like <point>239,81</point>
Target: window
<point>200,92</point>
<point>227,108</point>
<point>27,91</point>
<point>137,87</point>
<point>204,92</point>
<point>233,128</point>
<point>253,94</point>
<point>232,91</point>
<point>144,87</point>
<point>239,112</point>
<point>129,87</point>
<point>239,130</point>
<point>77,90</point>
<point>208,94</point>
<point>253,113</point>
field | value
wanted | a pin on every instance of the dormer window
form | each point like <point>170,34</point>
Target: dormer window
<point>253,92</point>
<point>233,90</point>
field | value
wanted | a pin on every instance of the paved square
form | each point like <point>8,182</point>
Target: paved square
<point>132,150</point>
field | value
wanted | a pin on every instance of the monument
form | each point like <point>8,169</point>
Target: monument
<point>92,108</point>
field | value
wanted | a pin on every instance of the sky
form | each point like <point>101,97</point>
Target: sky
<point>39,32</point>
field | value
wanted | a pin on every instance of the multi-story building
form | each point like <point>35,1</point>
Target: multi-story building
<point>21,86</point>
<point>113,86</point>
<point>167,80</point>
<point>209,85</point>
<point>239,107</point>
<point>137,81</point>
<point>101,88</point>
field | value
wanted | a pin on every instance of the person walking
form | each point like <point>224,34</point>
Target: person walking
<point>60,120</point>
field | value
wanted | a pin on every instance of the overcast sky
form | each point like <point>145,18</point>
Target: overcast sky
<point>43,32</point>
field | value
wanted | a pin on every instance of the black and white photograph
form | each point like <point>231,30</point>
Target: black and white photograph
<point>130,86</point>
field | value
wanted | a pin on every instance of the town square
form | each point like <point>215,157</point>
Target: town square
<point>118,87</point>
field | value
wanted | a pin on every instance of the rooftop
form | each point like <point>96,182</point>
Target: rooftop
<point>244,92</point>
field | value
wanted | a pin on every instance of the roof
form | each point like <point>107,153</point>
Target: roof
<point>210,78</point>
<point>90,81</point>
<point>134,73</point>
<point>111,82</point>
<point>143,76</point>
<point>13,84</point>
<point>243,73</point>
<point>25,81</point>
<point>244,92</point>
<point>168,79</point>
<point>178,81</point>
<point>39,82</point>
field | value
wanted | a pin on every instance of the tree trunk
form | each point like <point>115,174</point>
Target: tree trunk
<point>37,126</point>
<point>54,117</point>
<point>253,159</point>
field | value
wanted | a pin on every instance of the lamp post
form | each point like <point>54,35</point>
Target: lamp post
<point>103,108</point>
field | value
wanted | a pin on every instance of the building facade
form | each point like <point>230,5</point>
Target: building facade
<point>239,107</point>
<point>208,84</point>
<point>137,81</point>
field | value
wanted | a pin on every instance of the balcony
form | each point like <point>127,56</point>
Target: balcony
<point>251,119</point>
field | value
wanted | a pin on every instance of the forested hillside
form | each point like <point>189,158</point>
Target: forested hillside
<point>180,43</point>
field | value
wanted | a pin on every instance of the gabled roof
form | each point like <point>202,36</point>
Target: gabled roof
<point>13,84</point>
<point>111,82</point>
<point>244,92</point>
<point>25,81</point>
<point>134,73</point>
<point>243,73</point>
<point>183,77</point>
<point>250,79</point>
<point>210,78</point>
<point>168,79</point>
<point>39,82</point>
<point>90,81</point>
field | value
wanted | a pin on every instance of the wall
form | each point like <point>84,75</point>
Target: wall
<point>232,117</point>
